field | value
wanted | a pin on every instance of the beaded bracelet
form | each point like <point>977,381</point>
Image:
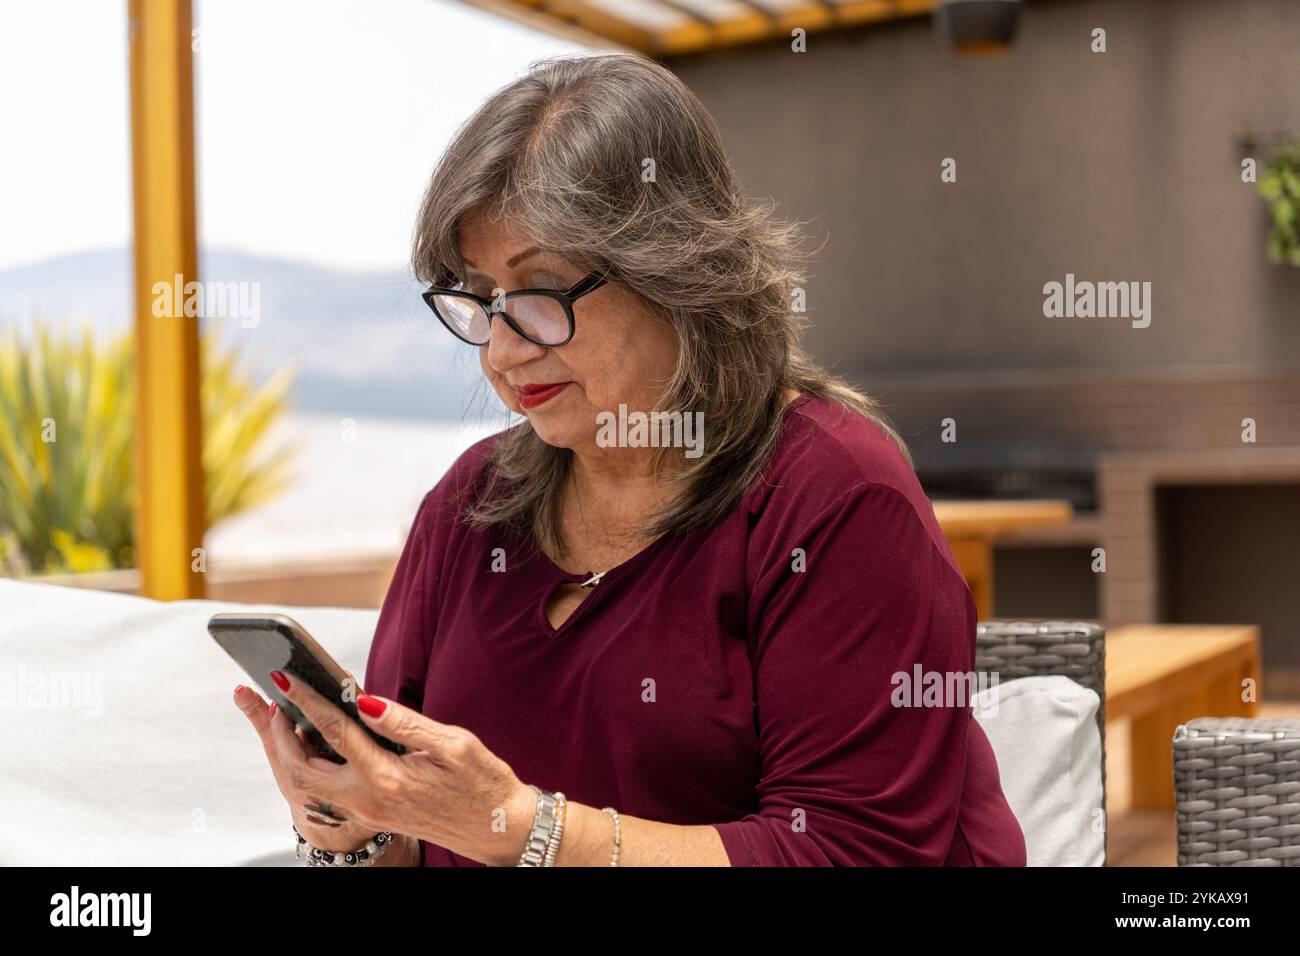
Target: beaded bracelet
<point>618,835</point>
<point>374,848</point>
<point>553,842</point>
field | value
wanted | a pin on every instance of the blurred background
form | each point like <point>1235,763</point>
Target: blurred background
<point>954,162</point>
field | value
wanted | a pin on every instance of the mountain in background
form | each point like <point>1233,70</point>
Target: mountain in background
<point>364,343</point>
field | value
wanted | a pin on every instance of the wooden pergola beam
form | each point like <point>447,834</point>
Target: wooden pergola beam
<point>169,514</point>
<point>599,31</point>
<point>757,27</point>
<point>590,23</point>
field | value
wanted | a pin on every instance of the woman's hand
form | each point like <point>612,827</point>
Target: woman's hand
<point>448,789</point>
<point>342,838</point>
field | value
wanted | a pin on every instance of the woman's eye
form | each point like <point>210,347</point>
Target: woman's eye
<point>546,280</point>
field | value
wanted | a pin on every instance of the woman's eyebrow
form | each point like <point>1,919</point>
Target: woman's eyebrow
<point>513,260</point>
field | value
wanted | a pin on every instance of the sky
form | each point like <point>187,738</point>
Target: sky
<point>318,121</point>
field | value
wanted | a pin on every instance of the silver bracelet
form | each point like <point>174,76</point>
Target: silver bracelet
<point>539,835</point>
<point>366,855</point>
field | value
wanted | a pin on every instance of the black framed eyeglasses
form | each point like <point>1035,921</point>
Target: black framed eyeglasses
<point>542,316</point>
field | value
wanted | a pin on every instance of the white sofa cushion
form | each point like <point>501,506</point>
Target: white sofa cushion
<point>1044,733</point>
<point>150,762</point>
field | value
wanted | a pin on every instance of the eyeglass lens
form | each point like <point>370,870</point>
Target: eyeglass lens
<point>542,318</point>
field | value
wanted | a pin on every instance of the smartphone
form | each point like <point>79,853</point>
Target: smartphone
<point>261,643</point>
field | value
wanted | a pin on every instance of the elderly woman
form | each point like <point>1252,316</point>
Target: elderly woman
<point>602,646</point>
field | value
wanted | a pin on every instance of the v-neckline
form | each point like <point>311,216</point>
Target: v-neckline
<point>558,576</point>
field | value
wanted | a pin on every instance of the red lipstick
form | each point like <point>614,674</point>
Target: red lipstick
<point>530,396</point>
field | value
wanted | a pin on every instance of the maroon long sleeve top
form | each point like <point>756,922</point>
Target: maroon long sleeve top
<point>741,676</point>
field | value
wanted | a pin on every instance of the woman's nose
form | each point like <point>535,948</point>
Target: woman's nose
<point>506,348</point>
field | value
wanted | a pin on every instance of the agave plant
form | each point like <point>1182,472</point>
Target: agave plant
<point>67,412</point>
<point>1280,187</point>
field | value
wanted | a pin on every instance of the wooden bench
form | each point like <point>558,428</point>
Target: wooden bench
<point>1163,675</point>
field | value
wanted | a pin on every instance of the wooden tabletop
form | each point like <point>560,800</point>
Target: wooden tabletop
<point>984,519</point>
<point>1146,664</point>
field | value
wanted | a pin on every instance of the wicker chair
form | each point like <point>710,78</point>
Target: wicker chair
<point>1073,649</point>
<point>1237,788</point>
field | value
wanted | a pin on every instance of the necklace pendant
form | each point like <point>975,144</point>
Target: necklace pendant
<point>592,581</point>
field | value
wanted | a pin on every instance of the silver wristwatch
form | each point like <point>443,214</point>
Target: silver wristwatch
<point>539,836</point>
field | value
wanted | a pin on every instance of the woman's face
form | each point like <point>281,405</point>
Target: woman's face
<point>621,352</point>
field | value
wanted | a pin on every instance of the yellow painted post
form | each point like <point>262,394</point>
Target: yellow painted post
<point>169,471</point>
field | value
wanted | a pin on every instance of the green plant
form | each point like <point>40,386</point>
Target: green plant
<point>67,416</point>
<point>1280,186</point>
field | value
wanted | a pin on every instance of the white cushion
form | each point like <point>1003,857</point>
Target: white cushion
<point>152,764</point>
<point>1044,733</point>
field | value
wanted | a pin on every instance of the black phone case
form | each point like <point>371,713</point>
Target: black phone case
<point>261,643</point>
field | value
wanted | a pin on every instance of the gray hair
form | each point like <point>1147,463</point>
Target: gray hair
<point>559,153</point>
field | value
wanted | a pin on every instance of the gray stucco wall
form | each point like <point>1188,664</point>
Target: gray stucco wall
<point>1114,166</point>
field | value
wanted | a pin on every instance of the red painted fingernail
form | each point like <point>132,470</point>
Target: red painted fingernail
<point>281,681</point>
<point>238,688</point>
<point>371,706</point>
<point>270,712</point>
